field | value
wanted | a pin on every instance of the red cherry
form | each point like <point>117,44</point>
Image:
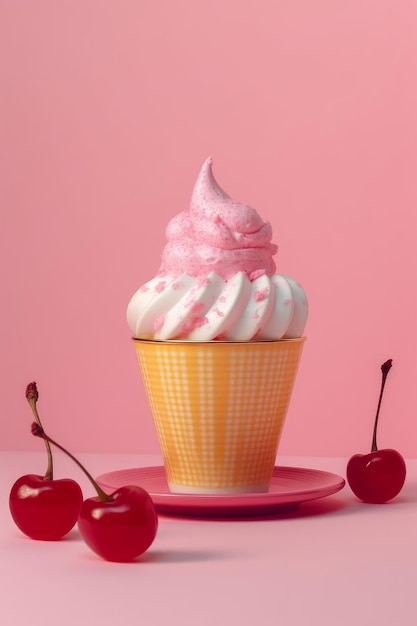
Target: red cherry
<point>43,508</point>
<point>118,527</point>
<point>378,476</point>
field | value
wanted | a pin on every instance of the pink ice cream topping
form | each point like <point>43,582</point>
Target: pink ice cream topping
<point>217,234</point>
<point>160,286</point>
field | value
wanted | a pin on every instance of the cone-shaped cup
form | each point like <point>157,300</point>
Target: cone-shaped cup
<point>219,409</point>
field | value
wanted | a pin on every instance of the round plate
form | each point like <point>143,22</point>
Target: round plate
<point>290,486</point>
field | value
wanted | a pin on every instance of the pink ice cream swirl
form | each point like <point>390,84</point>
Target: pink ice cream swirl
<point>217,234</point>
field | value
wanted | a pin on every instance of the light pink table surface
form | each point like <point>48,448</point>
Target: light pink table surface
<point>334,562</point>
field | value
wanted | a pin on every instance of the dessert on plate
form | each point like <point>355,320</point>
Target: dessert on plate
<point>218,334</point>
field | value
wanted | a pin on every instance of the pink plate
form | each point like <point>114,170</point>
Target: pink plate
<point>290,486</point>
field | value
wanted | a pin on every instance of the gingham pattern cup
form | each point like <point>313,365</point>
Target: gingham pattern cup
<point>219,409</point>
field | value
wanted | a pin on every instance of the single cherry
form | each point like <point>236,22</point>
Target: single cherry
<point>41,507</point>
<point>118,527</point>
<point>378,476</point>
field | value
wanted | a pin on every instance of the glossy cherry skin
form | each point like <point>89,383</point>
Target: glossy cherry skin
<point>376,477</point>
<point>122,529</point>
<point>45,509</point>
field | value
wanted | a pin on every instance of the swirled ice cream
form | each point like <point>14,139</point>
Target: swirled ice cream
<point>218,279</point>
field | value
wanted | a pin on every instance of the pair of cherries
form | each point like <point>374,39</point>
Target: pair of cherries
<point>118,527</point>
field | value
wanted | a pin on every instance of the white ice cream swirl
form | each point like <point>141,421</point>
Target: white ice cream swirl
<point>203,309</point>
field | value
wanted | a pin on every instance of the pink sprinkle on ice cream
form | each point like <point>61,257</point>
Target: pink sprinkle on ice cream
<point>159,322</point>
<point>195,322</point>
<point>261,294</point>
<point>160,286</point>
<point>197,307</point>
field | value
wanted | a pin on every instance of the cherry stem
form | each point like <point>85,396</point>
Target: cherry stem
<point>32,396</point>
<point>38,431</point>
<point>385,368</point>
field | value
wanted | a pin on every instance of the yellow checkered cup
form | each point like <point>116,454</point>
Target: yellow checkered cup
<point>219,409</point>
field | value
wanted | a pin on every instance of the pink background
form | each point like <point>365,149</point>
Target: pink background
<point>108,110</point>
